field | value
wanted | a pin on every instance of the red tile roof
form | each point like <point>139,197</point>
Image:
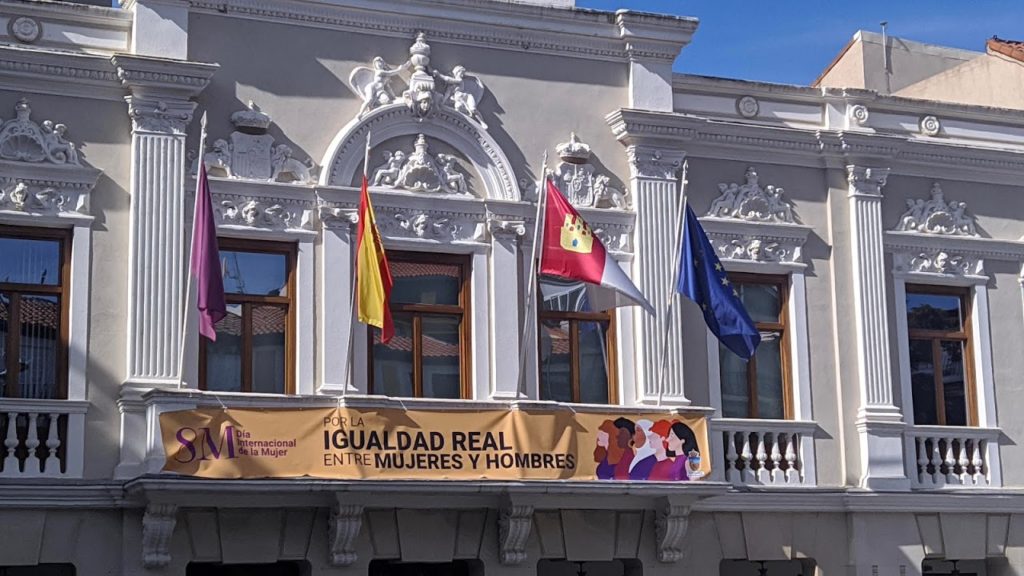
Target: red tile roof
<point>416,269</point>
<point>1012,48</point>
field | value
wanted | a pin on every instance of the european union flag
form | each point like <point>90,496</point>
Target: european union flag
<point>702,278</point>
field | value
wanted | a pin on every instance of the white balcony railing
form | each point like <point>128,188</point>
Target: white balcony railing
<point>42,438</point>
<point>953,456</point>
<point>766,452</point>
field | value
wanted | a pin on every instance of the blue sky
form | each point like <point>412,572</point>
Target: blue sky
<point>792,41</point>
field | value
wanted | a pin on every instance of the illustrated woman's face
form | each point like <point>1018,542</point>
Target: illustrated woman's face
<point>675,443</point>
<point>639,437</point>
<point>602,438</point>
<point>623,438</point>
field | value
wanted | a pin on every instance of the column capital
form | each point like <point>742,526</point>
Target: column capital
<point>865,180</point>
<point>505,230</point>
<point>160,116</point>
<point>653,163</point>
<point>335,218</point>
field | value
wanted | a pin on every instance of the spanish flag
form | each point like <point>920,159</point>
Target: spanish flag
<point>373,277</point>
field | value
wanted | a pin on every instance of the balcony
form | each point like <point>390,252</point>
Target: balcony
<point>42,438</point>
<point>765,452</point>
<point>953,457</point>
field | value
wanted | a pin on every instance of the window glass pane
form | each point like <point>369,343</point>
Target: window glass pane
<point>933,311</point>
<point>922,381</point>
<point>425,283</point>
<point>555,361</point>
<point>770,400</point>
<point>762,301</point>
<point>268,349</point>
<point>735,392</point>
<point>563,296</point>
<point>593,362</point>
<point>40,339</point>
<point>953,383</point>
<point>255,273</point>
<point>441,374</point>
<point>224,357</point>
<point>30,261</point>
<point>393,362</point>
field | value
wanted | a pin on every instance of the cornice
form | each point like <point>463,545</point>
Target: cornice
<point>589,34</point>
<point>59,73</point>
<point>968,245</point>
<point>162,78</point>
<point>38,494</point>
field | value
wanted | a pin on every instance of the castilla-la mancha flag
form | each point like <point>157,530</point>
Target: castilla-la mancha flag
<point>570,250</point>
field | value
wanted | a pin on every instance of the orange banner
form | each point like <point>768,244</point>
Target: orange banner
<point>394,444</point>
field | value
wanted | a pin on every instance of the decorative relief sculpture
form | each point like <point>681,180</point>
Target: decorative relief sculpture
<point>938,262</point>
<point>754,249</point>
<point>579,182</point>
<point>859,114</point>
<point>936,216</point>
<point>439,226</point>
<point>419,171</point>
<point>23,140</point>
<point>255,214</point>
<point>751,202</point>
<point>23,197</point>
<point>426,88</point>
<point>251,154</point>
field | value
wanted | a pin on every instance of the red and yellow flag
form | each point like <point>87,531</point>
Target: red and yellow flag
<point>373,277</point>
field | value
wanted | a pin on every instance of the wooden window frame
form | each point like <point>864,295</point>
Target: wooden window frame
<point>289,250</point>
<point>781,281</point>
<point>17,290</point>
<point>574,319</point>
<point>417,311</point>
<point>937,337</point>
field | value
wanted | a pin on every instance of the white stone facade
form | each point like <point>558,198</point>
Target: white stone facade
<point>849,198</point>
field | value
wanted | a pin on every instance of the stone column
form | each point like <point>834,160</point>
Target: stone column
<point>654,184</point>
<point>504,272</point>
<point>879,422</point>
<point>160,109</point>
<point>337,266</point>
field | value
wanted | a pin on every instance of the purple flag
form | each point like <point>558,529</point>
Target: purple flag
<point>205,260</point>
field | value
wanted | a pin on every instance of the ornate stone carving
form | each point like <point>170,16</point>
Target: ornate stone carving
<point>653,163</point>
<point>514,524</point>
<point>936,216</point>
<point>615,238</point>
<point>859,114</point>
<point>343,528</point>
<point>425,87</point>
<point>510,229</point>
<point>580,183</point>
<point>25,29</point>
<point>419,171</point>
<point>157,527</point>
<point>866,181</point>
<point>751,202</point>
<point>930,126</point>
<point>159,116</point>
<point>428,225</point>
<point>22,139</point>
<point>937,261</point>
<point>250,153</point>
<point>35,199</point>
<point>748,106</point>
<point>670,525</point>
<point>255,213</point>
<point>336,217</point>
<point>755,249</point>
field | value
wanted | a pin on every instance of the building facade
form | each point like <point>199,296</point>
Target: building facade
<point>876,240</point>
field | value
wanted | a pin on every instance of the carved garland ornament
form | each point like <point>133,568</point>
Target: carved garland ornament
<point>938,261</point>
<point>420,171</point>
<point>22,197</point>
<point>425,88</point>
<point>23,140</point>
<point>256,213</point>
<point>579,182</point>
<point>250,153</point>
<point>936,216</point>
<point>751,202</point>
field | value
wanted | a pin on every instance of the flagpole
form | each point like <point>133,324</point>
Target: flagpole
<point>542,195</point>
<point>188,273</point>
<point>672,288</point>
<point>352,287</point>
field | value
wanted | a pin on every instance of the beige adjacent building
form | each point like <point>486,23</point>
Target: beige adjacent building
<point>871,224</point>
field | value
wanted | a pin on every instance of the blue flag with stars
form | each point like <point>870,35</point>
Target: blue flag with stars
<point>702,278</point>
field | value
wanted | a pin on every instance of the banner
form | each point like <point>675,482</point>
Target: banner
<point>395,444</point>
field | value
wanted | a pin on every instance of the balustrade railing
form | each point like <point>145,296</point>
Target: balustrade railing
<point>41,438</point>
<point>766,452</point>
<point>953,456</point>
